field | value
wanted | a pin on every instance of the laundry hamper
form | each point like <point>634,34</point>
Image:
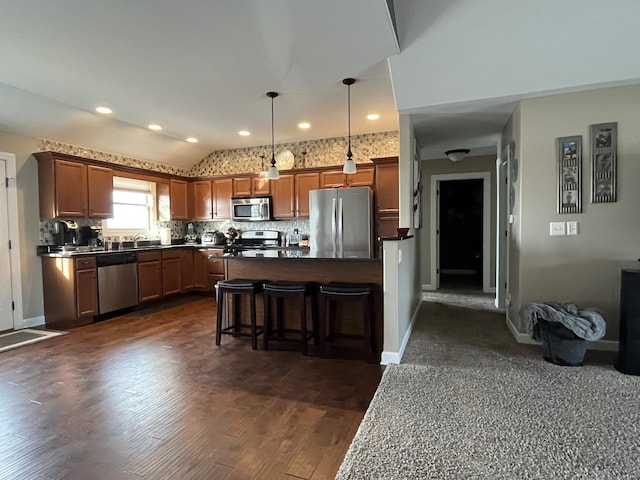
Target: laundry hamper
<point>560,345</point>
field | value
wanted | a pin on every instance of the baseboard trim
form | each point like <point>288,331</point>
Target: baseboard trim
<point>428,287</point>
<point>395,357</point>
<point>33,321</point>
<point>524,338</point>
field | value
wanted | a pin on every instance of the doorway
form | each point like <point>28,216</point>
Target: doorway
<point>10,287</point>
<point>461,232</point>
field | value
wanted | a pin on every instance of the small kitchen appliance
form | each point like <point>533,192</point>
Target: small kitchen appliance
<point>251,209</point>
<point>65,233</point>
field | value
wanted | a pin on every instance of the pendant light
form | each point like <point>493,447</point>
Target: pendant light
<point>349,165</point>
<point>272,173</point>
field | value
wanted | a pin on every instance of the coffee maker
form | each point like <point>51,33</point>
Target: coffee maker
<point>90,236</point>
<point>65,233</point>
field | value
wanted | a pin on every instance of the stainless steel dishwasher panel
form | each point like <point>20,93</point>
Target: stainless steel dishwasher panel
<point>117,286</point>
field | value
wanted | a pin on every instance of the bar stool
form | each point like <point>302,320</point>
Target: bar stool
<point>299,291</point>
<point>334,292</point>
<point>236,288</point>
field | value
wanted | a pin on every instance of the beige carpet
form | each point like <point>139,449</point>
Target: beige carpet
<point>470,403</point>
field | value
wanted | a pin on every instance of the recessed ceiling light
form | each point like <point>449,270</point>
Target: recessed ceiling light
<point>153,126</point>
<point>192,140</point>
<point>304,125</point>
<point>244,133</point>
<point>373,116</point>
<point>105,110</point>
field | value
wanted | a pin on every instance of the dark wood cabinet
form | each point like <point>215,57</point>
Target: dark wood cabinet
<point>221,198</point>
<point>304,182</point>
<point>70,291</point>
<point>171,269</point>
<point>215,267</point>
<point>186,269</point>
<point>100,191</point>
<point>364,177</point>
<point>72,189</point>
<point>200,268</point>
<point>386,185</point>
<point>283,197</point>
<point>149,276</point>
<point>200,200</point>
<point>178,199</point>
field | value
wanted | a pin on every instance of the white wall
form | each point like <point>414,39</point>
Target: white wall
<point>29,223</point>
<point>470,50</point>
<point>584,269</point>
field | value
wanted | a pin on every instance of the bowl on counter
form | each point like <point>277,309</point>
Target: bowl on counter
<point>402,232</point>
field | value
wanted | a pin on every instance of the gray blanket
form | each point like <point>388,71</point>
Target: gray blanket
<point>587,324</point>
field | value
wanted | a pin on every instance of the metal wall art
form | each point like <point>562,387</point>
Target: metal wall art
<point>604,162</point>
<point>570,174</point>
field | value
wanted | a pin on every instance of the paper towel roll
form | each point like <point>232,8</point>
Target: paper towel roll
<point>165,236</point>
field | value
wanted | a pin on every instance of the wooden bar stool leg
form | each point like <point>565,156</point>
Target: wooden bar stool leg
<point>314,319</point>
<point>219,302</point>
<point>279,314</point>
<point>266,322</point>
<point>303,324</point>
<point>322,327</point>
<point>254,329</point>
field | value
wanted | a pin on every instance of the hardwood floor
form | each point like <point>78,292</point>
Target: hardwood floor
<point>150,396</point>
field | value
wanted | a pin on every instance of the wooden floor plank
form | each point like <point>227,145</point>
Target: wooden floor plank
<point>146,396</point>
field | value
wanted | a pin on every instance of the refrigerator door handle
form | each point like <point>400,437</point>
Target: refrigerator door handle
<point>334,211</point>
<point>339,240</point>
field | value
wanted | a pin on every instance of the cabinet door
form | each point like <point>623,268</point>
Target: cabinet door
<point>283,197</point>
<point>386,226</point>
<point>149,280</point>
<point>242,187</point>
<point>200,268</point>
<point>304,183</point>
<point>86,293</point>
<point>202,202</point>
<point>100,191</point>
<point>178,199</point>
<point>362,178</point>
<point>331,178</point>
<point>186,269</point>
<point>387,190</point>
<point>260,185</point>
<point>222,198</point>
<point>71,189</point>
<point>171,282</point>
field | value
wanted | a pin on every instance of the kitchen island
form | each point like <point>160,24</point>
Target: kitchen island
<point>318,267</point>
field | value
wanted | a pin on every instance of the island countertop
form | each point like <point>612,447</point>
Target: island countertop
<point>285,253</point>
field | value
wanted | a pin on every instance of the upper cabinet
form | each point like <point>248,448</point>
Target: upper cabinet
<point>100,191</point>
<point>200,203</point>
<point>283,197</point>
<point>386,185</point>
<point>364,177</point>
<point>178,199</point>
<point>248,186</point>
<point>222,189</point>
<point>71,189</point>
<point>304,183</point>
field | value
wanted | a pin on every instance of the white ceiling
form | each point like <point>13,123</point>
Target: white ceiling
<point>199,68</point>
<point>202,68</point>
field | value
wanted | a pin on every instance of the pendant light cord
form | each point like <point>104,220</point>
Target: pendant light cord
<point>273,156</point>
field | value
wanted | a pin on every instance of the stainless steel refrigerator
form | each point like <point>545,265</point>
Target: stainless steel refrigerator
<point>341,221</point>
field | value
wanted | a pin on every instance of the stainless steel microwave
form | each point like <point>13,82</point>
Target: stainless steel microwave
<point>251,209</point>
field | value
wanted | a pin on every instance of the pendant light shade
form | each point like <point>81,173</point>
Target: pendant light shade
<point>349,165</point>
<point>272,173</point>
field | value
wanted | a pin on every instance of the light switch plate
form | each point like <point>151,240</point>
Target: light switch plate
<point>572,228</point>
<point>556,228</point>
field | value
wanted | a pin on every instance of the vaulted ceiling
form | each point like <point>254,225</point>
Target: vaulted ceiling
<point>201,68</point>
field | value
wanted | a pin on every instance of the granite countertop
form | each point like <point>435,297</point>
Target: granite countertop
<point>285,253</point>
<point>42,250</point>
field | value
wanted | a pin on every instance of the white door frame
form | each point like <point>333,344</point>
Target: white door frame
<point>486,224</point>
<point>14,254</point>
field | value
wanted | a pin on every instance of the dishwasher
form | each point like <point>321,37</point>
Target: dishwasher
<point>117,281</point>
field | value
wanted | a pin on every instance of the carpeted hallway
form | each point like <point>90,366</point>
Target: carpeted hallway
<point>468,402</point>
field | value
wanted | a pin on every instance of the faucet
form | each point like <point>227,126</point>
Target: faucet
<point>136,237</point>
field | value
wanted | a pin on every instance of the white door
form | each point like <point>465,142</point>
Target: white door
<point>6,310</point>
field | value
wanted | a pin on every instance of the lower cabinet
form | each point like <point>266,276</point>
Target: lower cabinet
<point>186,269</point>
<point>171,262</point>
<point>215,267</point>
<point>207,271</point>
<point>70,290</point>
<point>149,276</point>
<point>386,226</point>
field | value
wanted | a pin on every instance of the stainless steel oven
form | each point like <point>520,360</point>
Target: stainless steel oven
<point>251,209</point>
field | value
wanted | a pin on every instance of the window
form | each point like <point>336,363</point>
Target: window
<point>133,208</point>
